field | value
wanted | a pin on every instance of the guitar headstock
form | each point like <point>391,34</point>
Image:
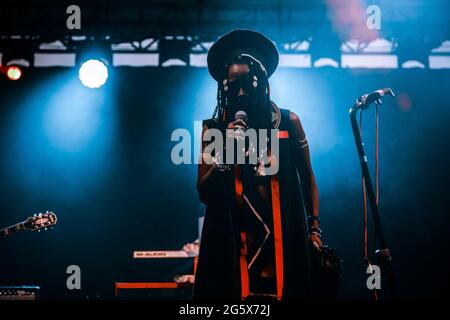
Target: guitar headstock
<point>40,221</point>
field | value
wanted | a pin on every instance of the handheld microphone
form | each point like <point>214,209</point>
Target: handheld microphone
<point>239,130</point>
<point>241,115</point>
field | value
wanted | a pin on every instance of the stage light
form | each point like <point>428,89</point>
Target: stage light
<point>14,73</point>
<point>93,73</point>
<point>93,58</point>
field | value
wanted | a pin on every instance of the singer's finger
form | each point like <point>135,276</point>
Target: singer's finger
<point>316,245</point>
<point>235,123</point>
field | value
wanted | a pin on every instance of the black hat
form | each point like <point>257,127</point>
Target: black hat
<point>239,42</point>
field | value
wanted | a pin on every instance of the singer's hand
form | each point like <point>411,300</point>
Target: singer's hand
<point>316,241</point>
<point>237,123</point>
<point>214,163</point>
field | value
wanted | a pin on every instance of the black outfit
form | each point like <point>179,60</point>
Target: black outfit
<point>218,272</point>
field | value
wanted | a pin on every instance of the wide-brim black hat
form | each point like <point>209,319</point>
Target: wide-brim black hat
<point>237,42</point>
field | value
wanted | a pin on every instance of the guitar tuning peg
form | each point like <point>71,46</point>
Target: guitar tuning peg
<point>34,215</point>
<point>45,229</point>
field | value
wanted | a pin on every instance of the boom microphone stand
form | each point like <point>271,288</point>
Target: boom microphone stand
<point>382,255</point>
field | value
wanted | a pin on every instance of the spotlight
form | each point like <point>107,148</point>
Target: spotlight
<point>93,57</point>
<point>93,73</point>
<point>13,73</point>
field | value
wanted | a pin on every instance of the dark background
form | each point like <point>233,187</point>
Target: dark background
<point>100,159</point>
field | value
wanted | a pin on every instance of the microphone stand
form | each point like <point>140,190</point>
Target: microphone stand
<point>382,255</point>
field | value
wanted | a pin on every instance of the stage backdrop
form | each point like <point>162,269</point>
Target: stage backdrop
<point>100,159</point>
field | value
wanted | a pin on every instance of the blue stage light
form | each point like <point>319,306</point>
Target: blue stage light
<point>93,73</point>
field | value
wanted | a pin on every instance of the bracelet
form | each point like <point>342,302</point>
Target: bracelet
<point>316,233</point>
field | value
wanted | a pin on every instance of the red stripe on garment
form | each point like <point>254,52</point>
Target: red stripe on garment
<point>245,287</point>
<point>277,233</point>
<point>283,134</point>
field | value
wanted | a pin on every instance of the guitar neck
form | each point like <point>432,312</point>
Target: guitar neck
<point>10,230</point>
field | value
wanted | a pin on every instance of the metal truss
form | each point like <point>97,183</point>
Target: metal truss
<point>289,23</point>
<point>284,21</point>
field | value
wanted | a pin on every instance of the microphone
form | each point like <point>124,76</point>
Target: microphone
<point>239,129</point>
<point>239,134</point>
<point>375,96</point>
<point>241,115</point>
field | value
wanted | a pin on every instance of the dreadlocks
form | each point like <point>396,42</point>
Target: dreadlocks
<point>259,108</point>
